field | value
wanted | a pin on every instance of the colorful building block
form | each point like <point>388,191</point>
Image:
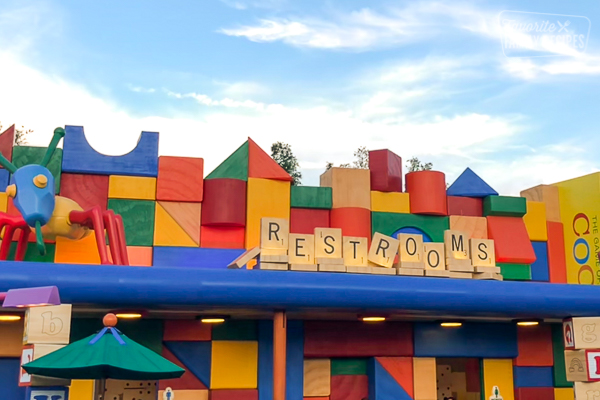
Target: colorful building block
<point>390,202</point>
<point>558,349</point>
<point>564,394</point>
<point>466,206</point>
<point>33,254</point>
<point>222,237</point>
<point>4,179</point>
<point>80,157</point>
<point>427,192</point>
<point>180,179</point>
<point>349,387</point>
<point>194,257</point>
<point>242,330</point>
<point>498,373</point>
<point>187,381</point>
<point>7,139</point>
<point>534,393</point>
<point>353,221</point>
<point>87,190</point>
<point>167,230</point>
<point>305,220</point>
<point>425,382</point>
<point>539,269</point>
<point>351,187</point>
<point>195,356</point>
<point>266,198</point>
<point>186,215</point>
<point>356,339</point>
<point>390,223</point>
<point>81,389</point>
<point>386,171</point>
<point>556,253</point>
<point>474,227</point>
<point>233,394</point>
<point>548,195</point>
<point>11,343</point>
<point>138,219</point>
<point>515,272</point>
<point>473,371</point>
<point>535,346</point>
<point>535,221</point>
<point>186,330</point>
<point>139,256</point>
<point>234,167</point>
<point>131,187</point>
<point>504,206</point>
<point>311,197</point>
<point>265,360</point>
<point>401,370</point>
<point>224,202</point>
<point>261,165</point>
<point>317,377</point>
<point>84,251</point>
<point>26,155</point>
<point>511,240</point>
<point>348,366</point>
<point>382,386</point>
<point>9,373</point>
<point>47,325</point>
<point>469,184</point>
<point>533,377</point>
<point>295,360</point>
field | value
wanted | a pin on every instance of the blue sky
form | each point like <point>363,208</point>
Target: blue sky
<point>422,78</point>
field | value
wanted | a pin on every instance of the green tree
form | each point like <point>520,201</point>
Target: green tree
<point>283,155</point>
<point>414,164</point>
<point>20,135</point>
<point>361,161</point>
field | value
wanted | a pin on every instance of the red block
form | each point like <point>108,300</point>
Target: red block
<point>186,330</point>
<point>353,221</point>
<point>466,206</point>
<point>305,220</point>
<point>349,387</point>
<point>86,190</point>
<point>557,263</point>
<point>324,339</point>
<point>427,192</point>
<point>261,165</point>
<point>386,171</point>
<point>473,375</point>
<point>222,237</point>
<point>534,393</point>
<point>187,381</point>
<point>535,346</point>
<point>401,369</point>
<point>7,138</point>
<point>511,240</point>
<point>180,179</point>
<point>224,202</point>
<point>234,394</point>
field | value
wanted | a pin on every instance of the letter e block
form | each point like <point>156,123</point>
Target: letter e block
<point>383,250</point>
<point>47,325</point>
<point>482,253</point>
<point>434,256</point>
<point>274,233</point>
<point>356,251</point>
<point>328,243</point>
<point>411,248</point>
<point>457,245</point>
<point>302,249</point>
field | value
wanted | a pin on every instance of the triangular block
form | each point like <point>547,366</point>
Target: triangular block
<point>195,356</point>
<point>7,138</point>
<point>234,167</point>
<point>187,216</point>
<point>188,381</point>
<point>382,386</point>
<point>401,369</point>
<point>167,231</point>
<point>261,165</point>
<point>469,184</point>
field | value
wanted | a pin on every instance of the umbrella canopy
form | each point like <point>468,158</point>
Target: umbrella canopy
<point>106,355</point>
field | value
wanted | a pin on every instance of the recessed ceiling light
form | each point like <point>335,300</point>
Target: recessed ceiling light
<point>451,324</point>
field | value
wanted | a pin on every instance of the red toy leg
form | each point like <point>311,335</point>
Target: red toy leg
<point>92,219</point>
<point>9,224</point>
<point>121,239</point>
<point>111,229</point>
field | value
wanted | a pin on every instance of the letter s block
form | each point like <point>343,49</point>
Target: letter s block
<point>328,243</point>
<point>482,253</point>
<point>47,325</point>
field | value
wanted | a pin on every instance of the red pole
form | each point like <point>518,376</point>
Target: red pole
<point>279,354</point>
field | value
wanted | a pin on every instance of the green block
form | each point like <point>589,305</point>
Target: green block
<point>26,155</point>
<point>138,219</point>
<point>32,253</point>
<point>558,350</point>
<point>348,366</point>
<point>235,330</point>
<point>515,272</point>
<point>234,167</point>
<point>311,197</point>
<point>504,206</point>
<point>388,223</point>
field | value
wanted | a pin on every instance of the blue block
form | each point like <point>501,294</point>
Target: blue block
<point>412,231</point>
<point>47,393</point>
<point>469,184</point>
<point>4,178</point>
<point>194,257</point>
<point>478,340</point>
<point>539,269</point>
<point>195,356</point>
<point>533,377</point>
<point>265,360</point>
<point>295,361</point>
<point>80,157</point>
<point>10,370</point>
<point>382,386</point>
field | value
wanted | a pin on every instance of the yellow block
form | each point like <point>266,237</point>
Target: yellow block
<point>11,339</point>
<point>390,202</point>
<point>234,365</point>
<point>424,378</point>
<point>84,251</point>
<point>3,202</point>
<point>498,373</point>
<point>265,198</point>
<point>81,390</point>
<point>131,187</point>
<point>535,221</point>
<point>317,378</point>
<point>167,231</point>
<point>564,394</point>
<point>183,395</point>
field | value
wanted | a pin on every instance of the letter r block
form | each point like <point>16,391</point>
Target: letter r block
<point>274,233</point>
<point>383,250</point>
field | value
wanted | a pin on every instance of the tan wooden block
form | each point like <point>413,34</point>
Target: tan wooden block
<point>457,245</point>
<point>488,276</point>
<point>47,325</point>
<point>332,261</point>
<point>460,275</point>
<point>274,252</point>
<point>424,379</point>
<point>383,250</point>
<point>460,268</point>
<point>328,243</point>
<point>377,270</point>
<point>410,271</point>
<point>482,252</point>
<point>586,332</point>
<point>317,377</point>
<point>587,390</point>
<point>11,344</point>
<point>473,396</point>
<point>411,247</point>
<point>357,269</point>
<point>273,258</point>
<point>273,266</point>
<point>548,195</point>
<point>493,270</point>
<point>351,187</point>
<point>302,249</point>
<point>474,227</point>
<point>33,352</point>
<point>332,268</point>
<point>576,365</point>
<point>245,258</point>
<point>274,233</point>
<point>304,267</point>
<point>411,265</point>
<point>438,273</point>
<point>356,251</point>
<point>434,256</point>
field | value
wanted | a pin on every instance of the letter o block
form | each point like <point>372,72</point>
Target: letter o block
<point>434,256</point>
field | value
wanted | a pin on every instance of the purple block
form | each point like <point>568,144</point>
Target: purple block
<point>29,297</point>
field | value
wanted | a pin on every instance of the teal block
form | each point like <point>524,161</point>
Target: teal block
<point>138,219</point>
<point>504,206</point>
<point>311,197</point>
<point>515,272</point>
<point>27,155</point>
<point>235,330</point>
<point>389,223</point>
<point>348,366</point>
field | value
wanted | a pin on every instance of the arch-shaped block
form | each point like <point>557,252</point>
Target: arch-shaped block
<point>80,157</point>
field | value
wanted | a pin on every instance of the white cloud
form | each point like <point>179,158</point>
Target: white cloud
<point>139,89</point>
<point>535,68</point>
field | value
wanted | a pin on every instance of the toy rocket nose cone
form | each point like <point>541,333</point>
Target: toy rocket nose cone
<point>40,181</point>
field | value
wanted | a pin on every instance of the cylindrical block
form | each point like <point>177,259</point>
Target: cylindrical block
<point>427,192</point>
<point>224,202</point>
<point>353,221</point>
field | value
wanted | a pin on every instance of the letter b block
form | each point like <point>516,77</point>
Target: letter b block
<point>274,233</point>
<point>302,249</point>
<point>383,250</point>
<point>47,325</point>
<point>482,253</point>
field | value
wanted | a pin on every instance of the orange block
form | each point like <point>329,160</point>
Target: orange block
<point>185,330</point>
<point>353,221</point>
<point>223,237</point>
<point>511,240</point>
<point>535,346</point>
<point>187,381</point>
<point>11,339</point>
<point>401,369</point>
<point>557,263</point>
<point>261,165</point>
<point>427,192</point>
<point>140,256</point>
<point>84,251</point>
<point>180,179</point>
<point>187,216</point>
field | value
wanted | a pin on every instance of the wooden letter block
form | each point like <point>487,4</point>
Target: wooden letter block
<point>593,365</point>
<point>582,333</point>
<point>274,233</point>
<point>576,365</point>
<point>328,243</point>
<point>457,245</point>
<point>383,250</point>
<point>131,187</point>
<point>47,325</point>
<point>587,390</point>
<point>425,379</point>
<point>482,253</point>
<point>33,352</point>
<point>411,248</point>
<point>355,251</point>
<point>302,249</point>
<point>317,377</point>
<point>474,227</point>
<point>434,256</point>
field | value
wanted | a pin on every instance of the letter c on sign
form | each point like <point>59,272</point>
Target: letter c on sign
<point>585,268</point>
<point>580,216</point>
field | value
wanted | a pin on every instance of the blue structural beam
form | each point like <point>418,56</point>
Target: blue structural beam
<point>160,287</point>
